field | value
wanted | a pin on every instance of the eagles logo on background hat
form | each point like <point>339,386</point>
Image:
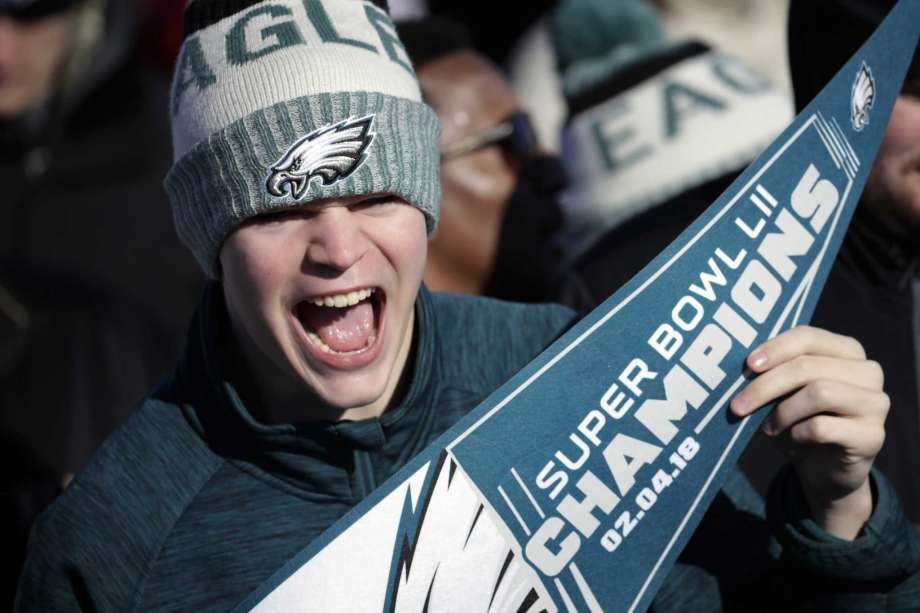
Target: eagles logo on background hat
<point>278,103</point>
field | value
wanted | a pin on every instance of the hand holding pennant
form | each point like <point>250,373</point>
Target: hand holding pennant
<point>576,484</point>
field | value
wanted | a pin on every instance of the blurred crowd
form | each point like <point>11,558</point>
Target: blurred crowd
<point>579,138</point>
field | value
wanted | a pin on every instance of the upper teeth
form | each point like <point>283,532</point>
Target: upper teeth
<point>342,300</point>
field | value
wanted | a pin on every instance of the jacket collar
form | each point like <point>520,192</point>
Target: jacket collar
<point>304,455</point>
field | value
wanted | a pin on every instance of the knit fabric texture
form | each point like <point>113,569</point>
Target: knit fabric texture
<point>594,38</point>
<point>290,101</point>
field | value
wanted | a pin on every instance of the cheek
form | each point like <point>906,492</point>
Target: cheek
<point>45,46</point>
<point>483,181</point>
<point>903,132</point>
<point>251,270</point>
<point>476,190</point>
<point>407,246</point>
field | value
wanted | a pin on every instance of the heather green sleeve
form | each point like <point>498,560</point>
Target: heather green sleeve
<point>741,560</point>
<point>878,571</point>
<point>92,549</point>
<point>82,556</point>
<point>61,571</point>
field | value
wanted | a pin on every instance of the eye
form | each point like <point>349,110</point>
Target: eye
<point>276,216</point>
<point>384,201</point>
<point>295,165</point>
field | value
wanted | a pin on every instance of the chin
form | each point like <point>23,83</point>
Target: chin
<point>350,392</point>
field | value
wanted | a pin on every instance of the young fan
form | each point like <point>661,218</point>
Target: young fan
<point>305,182</point>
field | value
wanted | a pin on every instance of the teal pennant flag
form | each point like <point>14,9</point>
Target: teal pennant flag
<point>576,484</point>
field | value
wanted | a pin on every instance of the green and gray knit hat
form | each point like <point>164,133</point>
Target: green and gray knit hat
<point>282,102</point>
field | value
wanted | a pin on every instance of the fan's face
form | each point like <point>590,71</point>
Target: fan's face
<point>894,182</point>
<point>31,55</point>
<point>470,96</point>
<point>321,298</point>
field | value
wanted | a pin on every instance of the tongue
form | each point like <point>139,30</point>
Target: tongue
<point>346,329</point>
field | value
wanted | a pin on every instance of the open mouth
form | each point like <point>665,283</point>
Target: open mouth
<point>341,325</point>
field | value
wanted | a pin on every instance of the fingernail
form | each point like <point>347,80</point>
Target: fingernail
<point>767,426</point>
<point>739,404</point>
<point>758,359</point>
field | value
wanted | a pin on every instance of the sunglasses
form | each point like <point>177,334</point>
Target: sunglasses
<point>515,134</point>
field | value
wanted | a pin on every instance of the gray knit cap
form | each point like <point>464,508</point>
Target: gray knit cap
<point>284,102</point>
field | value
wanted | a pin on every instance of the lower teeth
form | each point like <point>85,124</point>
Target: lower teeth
<point>316,340</point>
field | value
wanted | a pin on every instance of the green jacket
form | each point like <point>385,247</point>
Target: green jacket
<point>193,503</point>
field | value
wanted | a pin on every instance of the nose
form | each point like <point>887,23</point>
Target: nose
<point>336,241</point>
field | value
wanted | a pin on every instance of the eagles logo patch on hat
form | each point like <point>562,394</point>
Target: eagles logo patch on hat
<point>269,95</point>
<point>331,153</point>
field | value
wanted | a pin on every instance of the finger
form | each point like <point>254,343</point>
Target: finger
<point>824,396</point>
<point>847,433</point>
<point>800,341</point>
<point>799,372</point>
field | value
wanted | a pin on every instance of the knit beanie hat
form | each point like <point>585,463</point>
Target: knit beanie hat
<point>649,118</point>
<point>278,103</point>
<point>593,37</point>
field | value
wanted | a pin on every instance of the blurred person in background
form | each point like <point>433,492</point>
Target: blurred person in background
<point>873,290</point>
<point>750,30</point>
<point>95,289</point>
<point>500,209</point>
<point>492,35</point>
<point>654,125</point>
